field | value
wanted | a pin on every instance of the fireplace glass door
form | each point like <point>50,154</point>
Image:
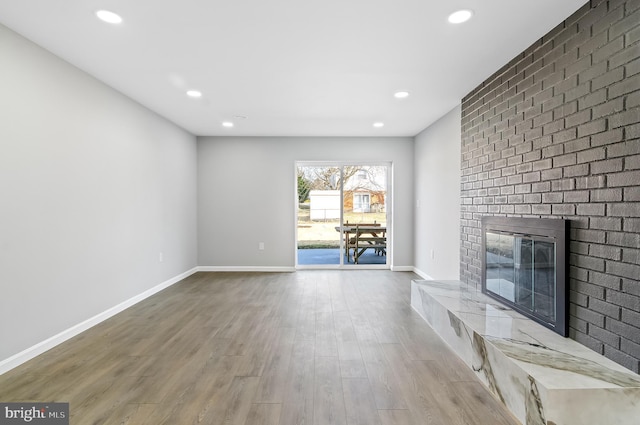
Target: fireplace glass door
<point>521,269</point>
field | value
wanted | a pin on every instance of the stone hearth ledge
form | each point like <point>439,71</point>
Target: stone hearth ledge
<point>541,377</point>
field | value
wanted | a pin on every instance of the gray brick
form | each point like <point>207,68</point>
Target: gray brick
<point>621,358</point>
<point>632,68</point>
<point>625,330</point>
<point>552,174</point>
<point>594,98</point>
<point>606,281</point>
<point>543,164</point>
<point>592,128</point>
<point>579,276</point>
<point>631,225</point>
<point>534,198</point>
<point>626,209</point>
<point>631,318</point>
<point>607,79</point>
<point>593,291</point>
<point>632,162</point>
<point>553,150</point>
<point>629,148</point>
<point>630,255</point>
<point>625,118</point>
<point>607,138</point>
<point>605,336</point>
<point>515,179</point>
<point>631,240</point>
<point>579,299</point>
<point>566,135</point>
<point>588,341</point>
<point>631,271</point>
<point>578,92</point>
<point>630,348</point>
<point>576,196</point>
<point>565,184</point>
<point>542,142</point>
<point>591,155</point>
<point>553,127</point>
<point>541,209</point>
<point>606,223</point>
<point>576,170</point>
<point>552,198</point>
<point>594,70</point>
<point>564,160</point>
<point>532,156</point>
<point>609,108</point>
<point>605,167</point>
<point>632,194</point>
<point>605,251</point>
<point>633,100</point>
<point>606,195</point>
<point>523,168</point>
<point>577,145</point>
<point>592,182</point>
<point>589,235</point>
<point>563,209</point>
<point>592,209</point>
<point>610,49</point>
<point>633,131</point>
<point>587,315</point>
<point>541,187</point>
<point>531,177</point>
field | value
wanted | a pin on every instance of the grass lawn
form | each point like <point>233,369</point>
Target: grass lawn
<point>323,234</point>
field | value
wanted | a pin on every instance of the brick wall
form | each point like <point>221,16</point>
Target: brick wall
<point>556,133</point>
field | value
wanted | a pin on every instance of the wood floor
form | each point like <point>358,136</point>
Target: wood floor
<point>311,347</point>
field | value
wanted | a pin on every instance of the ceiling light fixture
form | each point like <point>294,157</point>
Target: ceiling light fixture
<point>401,94</point>
<point>460,16</point>
<point>227,124</point>
<point>194,93</point>
<point>109,17</point>
<point>378,124</point>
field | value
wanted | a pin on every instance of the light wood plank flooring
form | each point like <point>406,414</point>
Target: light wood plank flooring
<point>306,348</point>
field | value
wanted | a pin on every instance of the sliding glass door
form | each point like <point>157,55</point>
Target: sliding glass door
<point>342,215</point>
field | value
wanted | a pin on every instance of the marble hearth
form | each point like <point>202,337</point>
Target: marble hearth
<point>543,378</point>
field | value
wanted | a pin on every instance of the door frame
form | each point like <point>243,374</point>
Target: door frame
<point>388,210</point>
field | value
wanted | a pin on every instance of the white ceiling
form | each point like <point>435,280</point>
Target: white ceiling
<point>292,67</point>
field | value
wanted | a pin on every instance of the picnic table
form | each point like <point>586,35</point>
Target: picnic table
<point>360,237</point>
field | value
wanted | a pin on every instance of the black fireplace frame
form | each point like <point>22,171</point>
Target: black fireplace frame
<point>556,229</point>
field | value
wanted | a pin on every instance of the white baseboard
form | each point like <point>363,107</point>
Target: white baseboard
<point>245,269</point>
<point>41,347</point>
<point>402,268</point>
<point>422,274</point>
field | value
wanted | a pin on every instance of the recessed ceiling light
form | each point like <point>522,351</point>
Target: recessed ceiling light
<point>109,17</point>
<point>194,93</point>
<point>401,94</point>
<point>460,16</point>
<point>227,124</point>
<point>378,124</point>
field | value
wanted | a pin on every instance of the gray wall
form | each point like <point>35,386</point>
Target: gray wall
<point>437,194</point>
<point>246,195</point>
<point>93,187</point>
<point>555,133</point>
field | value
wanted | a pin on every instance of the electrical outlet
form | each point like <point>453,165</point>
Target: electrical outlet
<point>433,254</point>
<point>161,257</point>
<point>261,246</point>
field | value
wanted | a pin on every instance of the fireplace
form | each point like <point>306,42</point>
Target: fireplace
<point>524,267</point>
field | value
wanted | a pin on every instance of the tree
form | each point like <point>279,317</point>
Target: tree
<point>304,187</point>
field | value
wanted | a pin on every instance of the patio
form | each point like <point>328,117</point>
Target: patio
<point>319,256</point>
